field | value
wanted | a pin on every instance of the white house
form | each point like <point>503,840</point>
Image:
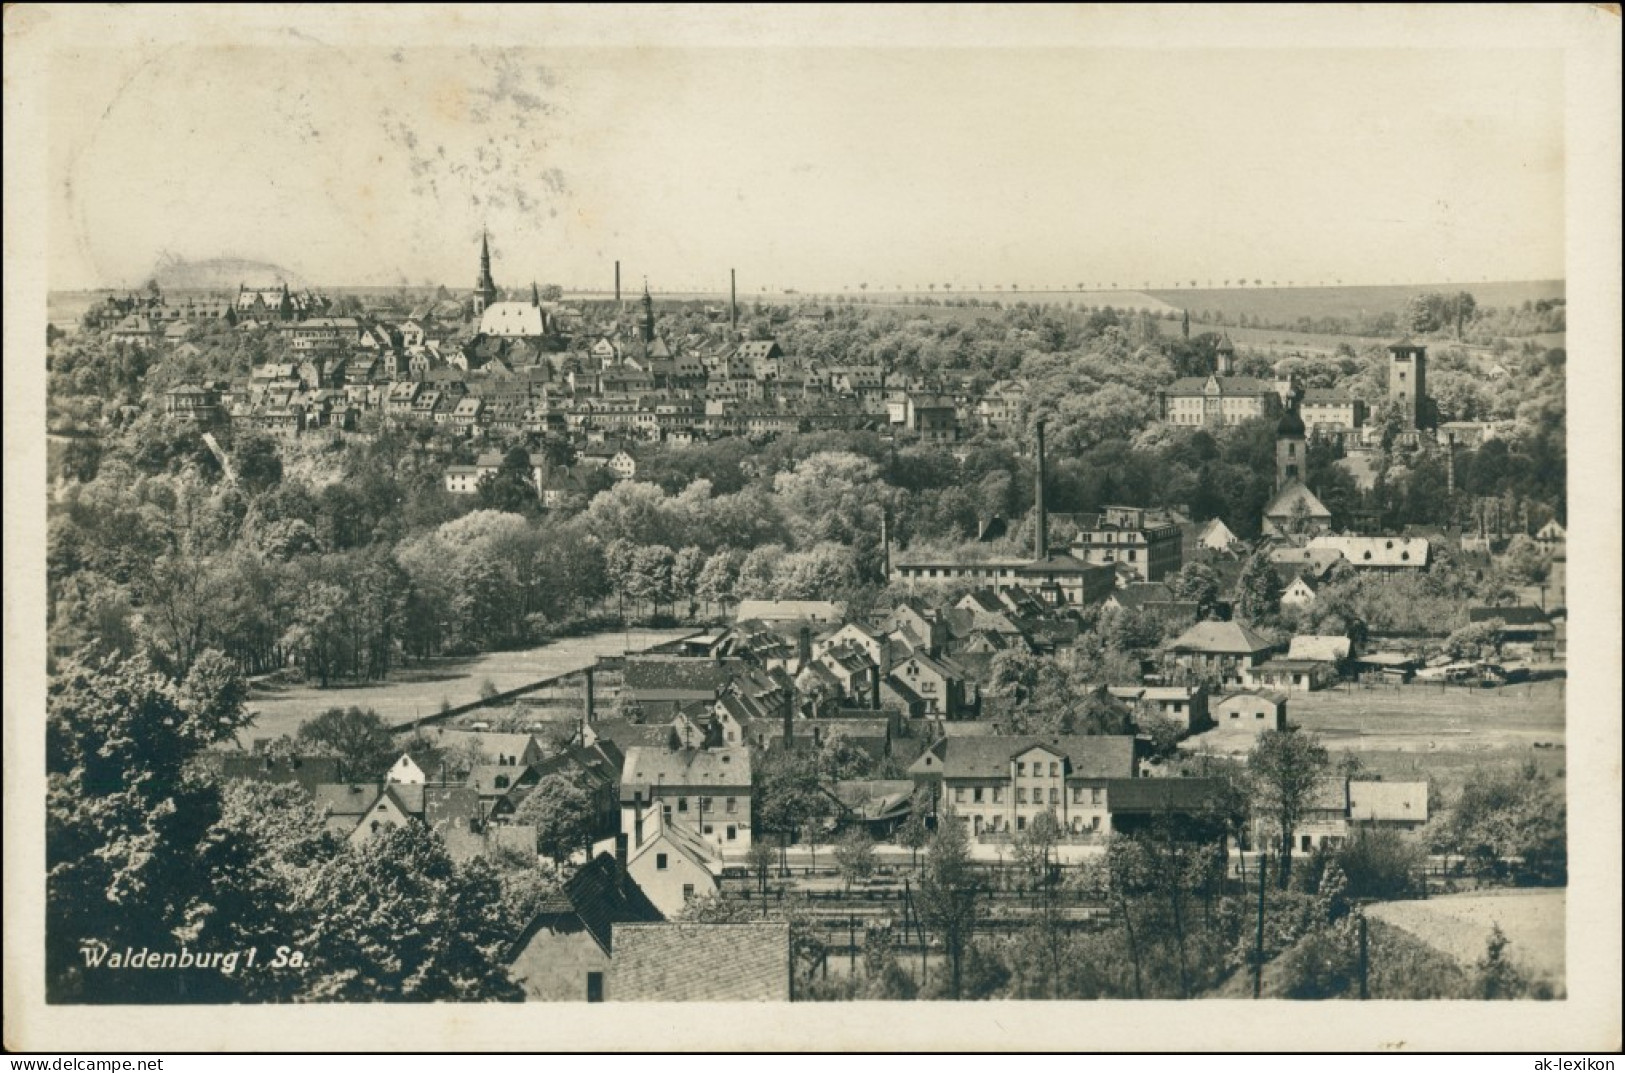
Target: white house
<point>406,771</point>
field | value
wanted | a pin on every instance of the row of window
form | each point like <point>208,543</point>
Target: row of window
<point>979,795</point>
<point>706,804</point>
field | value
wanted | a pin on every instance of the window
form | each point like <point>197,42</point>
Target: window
<point>1021,823</point>
<point>688,892</point>
<point>976,795</point>
<point>665,810</point>
<point>660,862</point>
<point>595,987</point>
<point>1021,767</point>
<point>998,795</point>
<point>1094,796</point>
<point>682,804</point>
<point>959,795</point>
<point>732,804</point>
<point>733,832</point>
<point>1054,796</point>
<point>706,805</point>
<point>1054,768</point>
<point>1077,795</point>
<point>1094,823</point>
<point>708,829</point>
<point>1021,795</point>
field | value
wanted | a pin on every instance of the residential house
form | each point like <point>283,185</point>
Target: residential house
<point>938,682</point>
<point>1330,411</point>
<point>406,770</point>
<point>491,748</point>
<point>1222,651</point>
<point>817,612</point>
<point>670,863</point>
<point>1293,510</point>
<point>1216,536</point>
<point>1299,592</point>
<point>1387,553</point>
<point>707,791</point>
<point>1394,806</point>
<point>997,784</point>
<point>1520,626</point>
<point>685,962</point>
<point>502,788</point>
<point>1289,675</point>
<point>1195,807</point>
<point>564,953</point>
<point>1218,401</point>
<point>1147,541</point>
<point>344,804</point>
<point>1249,711</point>
<point>397,805</point>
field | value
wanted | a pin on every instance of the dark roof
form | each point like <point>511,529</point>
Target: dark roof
<point>989,756</point>
<point>1290,424</point>
<point>308,771</point>
<point>1163,795</point>
<point>346,798</point>
<point>1223,638</point>
<point>1512,616</point>
<point>678,962</point>
<point>603,898</point>
<point>678,674</point>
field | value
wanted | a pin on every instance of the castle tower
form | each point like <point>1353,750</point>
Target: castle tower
<point>1408,381</point>
<point>1291,451</point>
<point>485,288</point>
<point>1224,356</point>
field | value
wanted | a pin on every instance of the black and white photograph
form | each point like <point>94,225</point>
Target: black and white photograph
<point>940,512</point>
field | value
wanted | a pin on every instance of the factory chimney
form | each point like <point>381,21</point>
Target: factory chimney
<point>1041,528</point>
<point>733,300</point>
<point>617,283</point>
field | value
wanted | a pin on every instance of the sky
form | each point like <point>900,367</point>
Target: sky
<point>810,168</point>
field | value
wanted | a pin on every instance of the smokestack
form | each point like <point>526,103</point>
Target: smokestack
<point>620,856</point>
<point>874,687</point>
<point>733,300</point>
<point>1450,466</point>
<point>790,718</point>
<point>617,283</point>
<point>591,714</point>
<point>637,820</point>
<point>804,645</point>
<point>885,543</point>
<point>1041,529</point>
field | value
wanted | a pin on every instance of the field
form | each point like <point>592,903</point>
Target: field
<point>1438,733</point>
<point>1459,925</point>
<point>419,690</point>
<point>1287,304</point>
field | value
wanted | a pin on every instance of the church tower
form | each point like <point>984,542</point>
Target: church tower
<point>485,288</point>
<point>648,315</point>
<point>1408,382</point>
<point>1224,356</point>
<point>1291,451</point>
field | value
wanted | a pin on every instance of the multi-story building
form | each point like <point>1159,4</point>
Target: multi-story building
<point>705,790</point>
<point>1147,542</point>
<point>998,785</point>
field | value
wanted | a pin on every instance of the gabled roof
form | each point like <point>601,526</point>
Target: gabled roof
<point>1388,801</point>
<point>648,767</point>
<point>1327,649</point>
<point>1221,638</point>
<point>1286,502</point>
<point>1273,696</point>
<point>679,676</point>
<point>1163,795</point>
<point>678,962</point>
<point>346,798</point>
<point>989,756</point>
<point>606,900</point>
<point>1378,550</point>
<point>1512,616</point>
<point>490,745</point>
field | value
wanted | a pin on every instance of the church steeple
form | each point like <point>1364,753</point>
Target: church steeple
<point>648,314</point>
<point>485,288</point>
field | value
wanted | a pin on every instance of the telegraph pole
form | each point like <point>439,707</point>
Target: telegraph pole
<point>1258,948</point>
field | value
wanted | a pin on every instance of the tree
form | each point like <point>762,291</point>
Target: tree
<point>1165,734</point>
<point>563,814</point>
<point>358,737</point>
<point>136,848</point>
<point>394,919</point>
<point>1510,821</point>
<point>511,488</point>
<point>1285,768</point>
<point>760,856</point>
<point>1475,640</point>
<point>1198,583</point>
<point>1260,589</point>
<point>855,856</point>
<point>948,896</point>
<point>913,832</point>
<point>840,758</point>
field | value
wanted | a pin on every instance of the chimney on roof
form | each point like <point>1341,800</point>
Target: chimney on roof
<point>804,645</point>
<point>1041,528</point>
<point>620,857</point>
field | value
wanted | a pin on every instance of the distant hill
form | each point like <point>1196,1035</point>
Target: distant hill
<point>220,274</point>
<point>1284,305</point>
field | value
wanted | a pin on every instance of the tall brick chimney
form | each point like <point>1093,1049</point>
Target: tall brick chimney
<point>804,645</point>
<point>790,718</point>
<point>617,283</point>
<point>1041,528</point>
<point>733,300</point>
<point>874,686</point>
<point>620,856</point>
